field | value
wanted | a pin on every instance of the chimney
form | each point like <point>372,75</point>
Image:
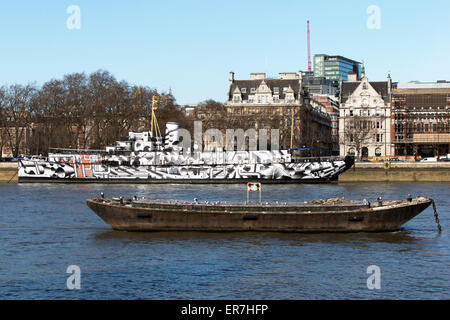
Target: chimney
<point>300,80</point>
<point>231,77</point>
<point>257,76</point>
<point>287,75</point>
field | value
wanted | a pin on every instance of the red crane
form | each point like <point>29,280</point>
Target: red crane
<point>309,51</point>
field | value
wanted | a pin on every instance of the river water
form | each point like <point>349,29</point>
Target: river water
<point>44,228</point>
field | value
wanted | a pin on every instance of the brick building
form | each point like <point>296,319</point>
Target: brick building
<point>420,119</point>
<point>330,105</point>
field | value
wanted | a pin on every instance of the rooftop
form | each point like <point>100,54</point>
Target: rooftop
<point>338,58</point>
<point>424,85</point>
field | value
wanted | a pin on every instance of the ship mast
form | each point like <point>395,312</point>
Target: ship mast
<point>154,127</point>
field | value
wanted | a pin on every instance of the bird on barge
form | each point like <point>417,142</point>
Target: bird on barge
<point>147,157</point>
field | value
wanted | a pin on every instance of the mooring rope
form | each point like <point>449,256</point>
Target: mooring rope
<point>13,176</point>
<point>436,217</point>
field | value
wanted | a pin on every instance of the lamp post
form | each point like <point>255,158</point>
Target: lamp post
<point>385,134</point>
<point>318,144</point>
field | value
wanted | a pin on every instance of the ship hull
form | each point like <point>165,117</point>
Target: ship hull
<point>173,181</point>
<point>225,218</point>
<point>83,169</point>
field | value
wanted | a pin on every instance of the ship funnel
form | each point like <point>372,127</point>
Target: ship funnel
<point>171,134</point>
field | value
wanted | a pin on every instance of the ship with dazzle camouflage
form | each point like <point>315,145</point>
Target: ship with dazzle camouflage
<point>148,157</point>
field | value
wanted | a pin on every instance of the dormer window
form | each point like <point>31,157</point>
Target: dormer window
<point>276,90</point>
<point>289,97</point>
<point>252,90</point>
<point>244,90</point>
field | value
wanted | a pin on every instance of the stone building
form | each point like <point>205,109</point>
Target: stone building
<point>420,119</point>
<point>365,115</point>
<point>284,104</point>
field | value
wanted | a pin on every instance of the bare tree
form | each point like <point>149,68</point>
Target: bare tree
<point>17,110</point>
<point>3,125</point>
<point>79,111</point>
<point>358,131</point>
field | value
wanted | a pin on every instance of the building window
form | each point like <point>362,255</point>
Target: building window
<point>252,90</point>
<point>351,113</point>
<point>289,97</point>
<point>276,90</point>
<point>244,90</point>
<point>351,152</point>
<point>378,152</point>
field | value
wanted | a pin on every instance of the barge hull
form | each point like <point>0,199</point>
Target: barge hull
<point>202,218</point>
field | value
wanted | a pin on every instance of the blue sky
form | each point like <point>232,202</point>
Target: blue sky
<point>191,46</point>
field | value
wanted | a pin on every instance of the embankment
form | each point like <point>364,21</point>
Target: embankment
<point>8,172</point>
<point>397,172</point>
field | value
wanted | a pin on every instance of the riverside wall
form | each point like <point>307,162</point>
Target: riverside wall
<point>360,172</point>
<point>8,172</point>
<point>397,172</point>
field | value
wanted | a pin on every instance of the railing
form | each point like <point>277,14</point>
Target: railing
<point>76,151</point>
<point>316,159</point>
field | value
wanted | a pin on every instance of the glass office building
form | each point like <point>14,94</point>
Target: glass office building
<point>334,67</point>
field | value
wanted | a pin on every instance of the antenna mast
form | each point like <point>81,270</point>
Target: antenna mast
<point>154,127</point>
<point>309,50</point>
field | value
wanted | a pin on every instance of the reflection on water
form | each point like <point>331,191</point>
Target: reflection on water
<point>47,227</point>
<point>402,236</point>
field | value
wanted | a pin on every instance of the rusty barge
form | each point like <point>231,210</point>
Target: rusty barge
<point>313,216</point>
